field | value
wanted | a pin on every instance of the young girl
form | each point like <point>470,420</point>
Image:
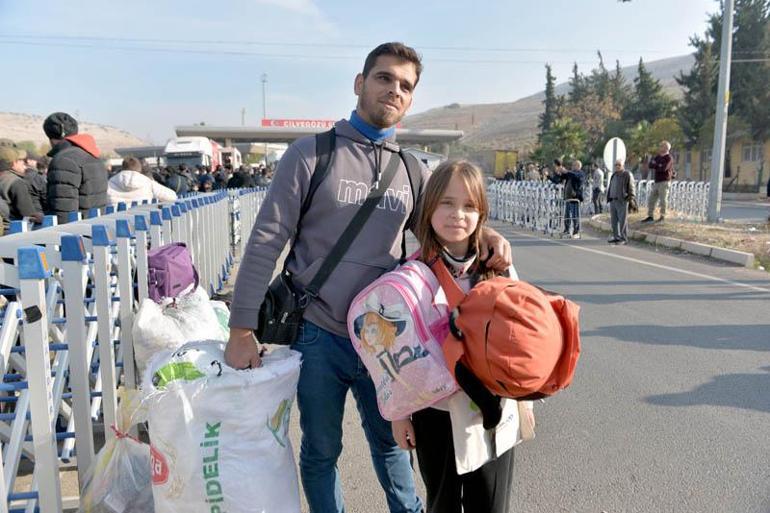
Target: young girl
<point>450,434</point>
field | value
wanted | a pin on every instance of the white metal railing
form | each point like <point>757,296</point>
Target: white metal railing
<point>686,200</point>
<point>540,205</point>
<point>65,339</point>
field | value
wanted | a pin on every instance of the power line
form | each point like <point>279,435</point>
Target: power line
<point>311,45</point>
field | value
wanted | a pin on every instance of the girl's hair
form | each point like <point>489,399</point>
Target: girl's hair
<point>387,330</point>
<point>473,178</point>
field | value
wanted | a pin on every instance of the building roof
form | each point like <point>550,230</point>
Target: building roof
<point>289,134</point>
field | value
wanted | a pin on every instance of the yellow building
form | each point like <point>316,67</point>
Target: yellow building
<point>747,169</point>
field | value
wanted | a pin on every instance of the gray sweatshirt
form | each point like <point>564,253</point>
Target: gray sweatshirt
<point>352,172</point>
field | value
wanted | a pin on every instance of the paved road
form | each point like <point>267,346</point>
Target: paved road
<point>745,211</point>
<point>670,409</point>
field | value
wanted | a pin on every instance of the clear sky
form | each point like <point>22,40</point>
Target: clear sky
<point>147,65</point>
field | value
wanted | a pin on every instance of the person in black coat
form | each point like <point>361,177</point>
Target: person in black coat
<point>77,179</point>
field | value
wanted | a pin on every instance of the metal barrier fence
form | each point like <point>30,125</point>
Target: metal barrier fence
<point>65,338</point>
<point>686,200</point>
<point>536,205</point>
<point>540,206</point>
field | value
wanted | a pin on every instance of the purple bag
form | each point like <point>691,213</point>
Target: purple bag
<point>170,271</point>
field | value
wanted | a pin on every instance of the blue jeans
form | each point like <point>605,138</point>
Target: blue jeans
<point>572,216</point>
<point>330,366</point>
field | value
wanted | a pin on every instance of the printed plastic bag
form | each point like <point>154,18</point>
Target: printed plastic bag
<point>223,316</point>
<point>169,326</point>
<point>213,427</point>
<point>119,479</point>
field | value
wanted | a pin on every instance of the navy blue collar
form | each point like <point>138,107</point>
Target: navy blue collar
<point>373,133</point>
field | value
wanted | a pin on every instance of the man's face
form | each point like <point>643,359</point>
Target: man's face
<point>662,149</point>
<point>576,166</point>
<point>385,94</point>
<point>18,166</point>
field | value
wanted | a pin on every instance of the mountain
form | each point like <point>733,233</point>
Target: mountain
<point>514,125</point>
<point>29,127</point>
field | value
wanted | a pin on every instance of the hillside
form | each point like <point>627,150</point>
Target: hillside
<point>514,124</point>
<point>28,127</point>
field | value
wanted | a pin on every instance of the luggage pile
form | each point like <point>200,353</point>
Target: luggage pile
<point>202,438</point>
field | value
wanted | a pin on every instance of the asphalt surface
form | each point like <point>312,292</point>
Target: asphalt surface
<point>670,407</point>
<point>745,211</point>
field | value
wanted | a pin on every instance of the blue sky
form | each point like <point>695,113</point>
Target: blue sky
<point>146,66</point>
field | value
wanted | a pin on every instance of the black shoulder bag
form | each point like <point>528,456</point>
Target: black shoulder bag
<point>280,315</point>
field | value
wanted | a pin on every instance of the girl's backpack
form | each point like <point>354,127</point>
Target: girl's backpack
<point>397,327</point>
<point>517,340</point>
<point>170,271</point>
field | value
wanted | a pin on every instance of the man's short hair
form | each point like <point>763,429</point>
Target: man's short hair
<point>667,144</point>
<point>576,161</point>
<point>557,162</point>
<point>132,164</point>
<point>395,49</point>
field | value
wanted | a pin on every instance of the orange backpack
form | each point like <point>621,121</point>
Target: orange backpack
<point>517,340</point>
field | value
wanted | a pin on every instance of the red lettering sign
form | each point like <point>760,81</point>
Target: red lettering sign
<point>298,123</point>
<point>159,467</point>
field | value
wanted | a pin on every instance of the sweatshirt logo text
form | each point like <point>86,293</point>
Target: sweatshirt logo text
<point>355,193</point>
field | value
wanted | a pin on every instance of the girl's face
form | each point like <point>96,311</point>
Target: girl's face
<point>455,218</point>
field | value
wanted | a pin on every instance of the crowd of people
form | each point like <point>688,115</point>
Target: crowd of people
<point>73,177</point>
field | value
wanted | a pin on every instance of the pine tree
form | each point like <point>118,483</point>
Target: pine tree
<point>599,80</point>
<point>618,88</point>
<point>551,103</point>
<point>648,102</point>
<point>577,86</point>
<point>749,92</point>
<point>699,102</point>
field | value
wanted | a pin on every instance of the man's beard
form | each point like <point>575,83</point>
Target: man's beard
<point>379,115</point>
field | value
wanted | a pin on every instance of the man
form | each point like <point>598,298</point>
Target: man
<point>38,185</point>
<point>573,195</point>
<point>13,189</point>
<point>621,194</point>
<point>77,179</point>
<point>365,145</point>
<point>662,166</point>
<point>597,187</point>
<point>177,181</point>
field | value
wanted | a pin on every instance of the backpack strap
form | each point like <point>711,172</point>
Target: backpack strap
<point>325,143</point>
<point>454,293</point>
<point>414,173</point>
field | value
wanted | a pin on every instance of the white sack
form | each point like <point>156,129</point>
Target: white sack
<point>167,327</point>
<point>219,436</point>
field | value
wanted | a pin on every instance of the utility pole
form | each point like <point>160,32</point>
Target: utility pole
<point>723,103</point>
<point>264,107</point>
<point>264,88</point>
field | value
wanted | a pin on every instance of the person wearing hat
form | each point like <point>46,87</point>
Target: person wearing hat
<point>13,190</point>
<point>77,179</point>
<point>38,186</point>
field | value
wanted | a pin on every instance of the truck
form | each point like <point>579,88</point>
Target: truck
<point>193,151</point>
<point>231,155</point>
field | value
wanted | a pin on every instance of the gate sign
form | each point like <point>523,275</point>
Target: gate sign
<point>298,123</point>
<point>614,149</point>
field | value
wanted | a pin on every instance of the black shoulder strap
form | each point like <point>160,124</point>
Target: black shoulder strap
<point>354,227</point>
<point>414,172</point>
<point>324,148</point>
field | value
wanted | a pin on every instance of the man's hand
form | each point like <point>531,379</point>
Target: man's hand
<point>403,433</point>
<point>242,350</point>
<point>494,243</point>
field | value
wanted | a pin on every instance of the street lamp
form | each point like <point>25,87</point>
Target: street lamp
<point>264,107</point>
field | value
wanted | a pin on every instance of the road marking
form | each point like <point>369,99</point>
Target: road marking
<point>650,264</point>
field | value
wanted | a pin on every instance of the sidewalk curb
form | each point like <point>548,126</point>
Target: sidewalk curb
<point>725,255</point>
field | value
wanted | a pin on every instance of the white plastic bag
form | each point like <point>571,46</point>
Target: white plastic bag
<point>223,316</point>
<point>169,326</point>
<point>119,479</point>
<point>220,436</point>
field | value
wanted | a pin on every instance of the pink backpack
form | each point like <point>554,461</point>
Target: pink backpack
<point>397,329</point>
